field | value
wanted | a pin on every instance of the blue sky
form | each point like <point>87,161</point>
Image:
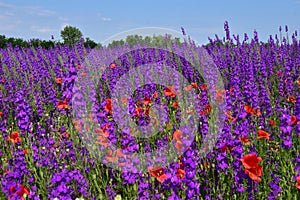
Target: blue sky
<point>100,19</point>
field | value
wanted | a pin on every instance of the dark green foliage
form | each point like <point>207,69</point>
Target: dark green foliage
<point>154,41</point>
<point>89,43</point>
<point>71,35</point>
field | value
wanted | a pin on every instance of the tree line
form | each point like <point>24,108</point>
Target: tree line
<point>72,35</point>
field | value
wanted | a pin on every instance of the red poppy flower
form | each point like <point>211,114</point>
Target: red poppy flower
<point>102,132</point>
<point>178,145</point>
<point>293,119</point>
<point>227,148</point>
<point>2,80</point>
<point>138,110</point>
<point>108,105</point>
<point>279,74</point>
<point>175,104</point>
<point>251,161</point>
<point>22,191</point>
<point>231,90</point>
<point>180,173</point>
<point>249,109</point>
<point>25,151</point>
<point>194,85</point>
<point>233,119</point>
<point>180,162</point>
<point>58,81</point>
<point>208,108</point>
<point>84,74</point>
<point>79,128</point>
<point>188,88</point>
<point>12,189</point>
<point>262,134</point>
<point>124,100</point>
<point>169,91</point>
<point>147,101</point>
<point>1,114</point>
<point>252,111</point>
<point>65,134</point>
<point>244,140</point>
<point>202,113</point>
<point>75,122</point>
<point>113,65</point>
<point>119,152</point>
<point>292,99</point>
<point>79,66</point>
<point>63,104</point>
<point>147,111</point>
<point>298,82</point>
<point>177,135</point>
<point>105,127</point>
<point>252,168</point>
<point>254,173</point>
<point>220,96</point>
<point>161,178</point>
<point>229,115</point>
<point>155,94</point>
<point>102,141</point>
<point>256,112</point>
<point>298,182</point>
<point>204,87</point>
<point>157,172</point>
<point>14,137</point>
<point>111,157</point>
<point>272,122</point>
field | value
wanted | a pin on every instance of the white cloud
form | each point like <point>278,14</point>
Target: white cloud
<point>6,25</point>
<point>11,10</point>
<point>36,10</point>
<point>42,29</point>
<point>7,13</point>
<point>12,18</point>
<point>8,19</point>
<point>63,18</point>
<point>105,19</point>
<point>5,5</point>
<point>5,16</point>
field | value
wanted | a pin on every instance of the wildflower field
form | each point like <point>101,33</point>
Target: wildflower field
<point>45,154</point>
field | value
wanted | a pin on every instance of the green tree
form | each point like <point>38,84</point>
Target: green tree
<point>2,41</point>
<point>71,35</point>
<point>134,39</point>
<point>89,43</point>
<point>116,43</point>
